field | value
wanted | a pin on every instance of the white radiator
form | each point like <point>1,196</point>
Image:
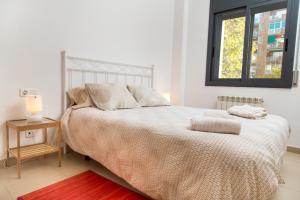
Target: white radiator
<point>225,102</point>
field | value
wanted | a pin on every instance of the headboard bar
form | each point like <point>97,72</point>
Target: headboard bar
<point>107,62</point>
<point>104,72</point>
<point>77,71</point>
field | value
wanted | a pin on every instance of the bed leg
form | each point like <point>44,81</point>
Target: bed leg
<point>87,158</point>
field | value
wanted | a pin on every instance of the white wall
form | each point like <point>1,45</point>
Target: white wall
<point>33,32</point>
<point>284,102</point>
<point>179,51</point>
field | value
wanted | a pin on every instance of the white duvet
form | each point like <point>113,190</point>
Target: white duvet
<point>155,151</point>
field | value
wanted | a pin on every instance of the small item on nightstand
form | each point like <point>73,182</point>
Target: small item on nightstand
<point>34,107</point>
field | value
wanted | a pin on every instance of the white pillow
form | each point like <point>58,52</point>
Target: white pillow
<point>147,96</point>
<point>110,96</point>
<point>79,98</point>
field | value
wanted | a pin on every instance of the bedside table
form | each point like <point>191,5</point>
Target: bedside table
<point>22,153</point>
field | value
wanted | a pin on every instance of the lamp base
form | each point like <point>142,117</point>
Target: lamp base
<point>35,118</point>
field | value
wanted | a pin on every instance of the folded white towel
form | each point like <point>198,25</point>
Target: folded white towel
<point>216,125</point>
<point>248,111</point>
<point>218,114</point>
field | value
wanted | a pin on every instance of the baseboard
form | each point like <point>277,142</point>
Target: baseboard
<point>293,149</point>
<point>2,164</point>
<point>11,161</point>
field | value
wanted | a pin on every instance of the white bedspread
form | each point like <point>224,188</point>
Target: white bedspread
<point>155,151</point>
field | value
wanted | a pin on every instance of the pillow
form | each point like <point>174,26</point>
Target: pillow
<point>111,96</point>
<point>147,96</point>
<point>79,97</point>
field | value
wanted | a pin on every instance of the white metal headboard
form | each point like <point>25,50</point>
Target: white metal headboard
<point>79,71</point>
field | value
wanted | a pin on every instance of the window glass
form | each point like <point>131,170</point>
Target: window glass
<point>272,26</point>
<point>277,25</point>
<point>232,47</point>
<point>268,44</point>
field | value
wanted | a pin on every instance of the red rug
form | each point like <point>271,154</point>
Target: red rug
<point>85,186</point>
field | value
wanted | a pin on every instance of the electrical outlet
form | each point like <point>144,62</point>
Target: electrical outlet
<point>28,92</point>
<point>29,134</point>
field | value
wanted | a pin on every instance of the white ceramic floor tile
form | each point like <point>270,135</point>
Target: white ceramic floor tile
<point>287,194</point>
<point>4,194</point>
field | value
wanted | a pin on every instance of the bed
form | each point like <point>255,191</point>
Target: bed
<point>155,151</point>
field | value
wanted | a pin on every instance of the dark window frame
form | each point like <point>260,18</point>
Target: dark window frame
<point>250,7</point>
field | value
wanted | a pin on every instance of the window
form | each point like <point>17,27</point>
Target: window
<point>252,46</point>
<point>232,46</point>
<point>268,64</point>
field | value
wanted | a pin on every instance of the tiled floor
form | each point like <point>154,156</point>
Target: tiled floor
<point>42,172</point>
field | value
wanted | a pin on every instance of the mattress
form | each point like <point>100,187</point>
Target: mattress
<point>156,152</point>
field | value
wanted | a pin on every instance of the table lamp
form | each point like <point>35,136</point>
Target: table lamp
<point>34,107</point>
<point>167,96</point>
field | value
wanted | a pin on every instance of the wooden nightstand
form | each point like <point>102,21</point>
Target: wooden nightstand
<point>22,153</point>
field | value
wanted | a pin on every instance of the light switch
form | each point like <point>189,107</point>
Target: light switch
<point>28,92</point>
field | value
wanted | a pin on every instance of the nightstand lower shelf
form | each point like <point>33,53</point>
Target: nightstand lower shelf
<point>32,151</point>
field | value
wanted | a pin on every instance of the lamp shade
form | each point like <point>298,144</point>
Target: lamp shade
<point>34,104</point>
<point>167,96</point>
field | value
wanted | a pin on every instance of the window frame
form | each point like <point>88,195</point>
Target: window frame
<point>250,9</point>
